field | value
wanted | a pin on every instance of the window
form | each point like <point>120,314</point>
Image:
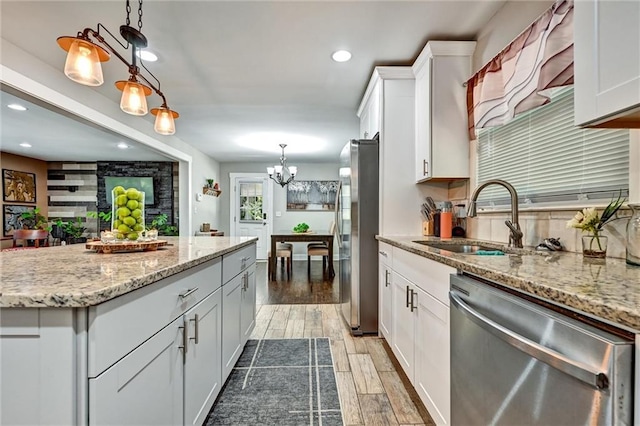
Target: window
<point>549,160</point>
<point>250,202</point>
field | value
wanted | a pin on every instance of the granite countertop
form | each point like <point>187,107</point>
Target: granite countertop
<point>608,289</point>
<point>72,276</point>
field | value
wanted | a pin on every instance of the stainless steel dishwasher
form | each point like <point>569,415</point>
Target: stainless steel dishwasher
<point>516,363</point>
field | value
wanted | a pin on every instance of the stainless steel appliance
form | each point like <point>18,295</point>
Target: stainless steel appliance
<point>357,220</point>
<point>516,363</point>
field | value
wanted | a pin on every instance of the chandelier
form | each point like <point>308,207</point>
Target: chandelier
<point>86,51</point>
<point>282,174</point>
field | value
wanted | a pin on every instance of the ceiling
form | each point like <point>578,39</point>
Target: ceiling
<point>241,69</point>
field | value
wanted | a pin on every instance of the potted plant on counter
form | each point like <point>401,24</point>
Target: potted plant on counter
<point>74,231</point>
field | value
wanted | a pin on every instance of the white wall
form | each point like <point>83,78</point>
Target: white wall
<point>288,219</point>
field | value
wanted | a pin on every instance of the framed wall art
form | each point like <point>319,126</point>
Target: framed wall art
<point>12,218</point>
<point>19,187</point>
<point>312,195</point>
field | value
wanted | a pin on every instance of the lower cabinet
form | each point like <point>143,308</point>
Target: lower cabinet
<point>419,321</point>
<point>238,316</point>
<point>385,291</point>
<point>145,387</point>
<point>203,360</point>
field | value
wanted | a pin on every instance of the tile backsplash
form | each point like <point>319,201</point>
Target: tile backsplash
<point>537,226</point>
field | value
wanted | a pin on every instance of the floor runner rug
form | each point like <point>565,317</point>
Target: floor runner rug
<point>280,382</point>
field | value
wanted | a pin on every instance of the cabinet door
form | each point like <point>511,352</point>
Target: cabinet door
<point>423,122</point>
<point>231,331</point>
<point>403,324</point>
<point>432,368</point>
<point>607,59</point>
<point>203,364</point>
<point>144,387</point>
<point>248,312</point>
<point>385,295</point>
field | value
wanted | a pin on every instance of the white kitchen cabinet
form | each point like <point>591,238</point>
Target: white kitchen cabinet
<point>404,324</point>
<point>238,301</point>
<point>607,63</point>
<point>393,89</point>
<point>441,132</point>
<point>431,375</point>
<point>385,291</point>
<point>145,387</point>
<point>248,304</point>
<point>420,328</point>
<point>370,115</point>
<point>203,359</point>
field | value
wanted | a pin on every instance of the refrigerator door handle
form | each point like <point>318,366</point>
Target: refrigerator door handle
<point>338,223</point>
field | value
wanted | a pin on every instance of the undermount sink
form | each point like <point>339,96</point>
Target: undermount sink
<point>457,247</point>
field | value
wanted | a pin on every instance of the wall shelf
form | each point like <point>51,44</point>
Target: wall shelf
<point>207,190</point>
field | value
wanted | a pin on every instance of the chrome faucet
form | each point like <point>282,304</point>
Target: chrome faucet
<point>515,234</point>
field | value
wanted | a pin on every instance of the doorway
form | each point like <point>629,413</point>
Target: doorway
<point>251,208</point>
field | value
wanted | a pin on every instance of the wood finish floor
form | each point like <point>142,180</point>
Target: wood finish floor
<point>300,288</point>
<point>371,387</point>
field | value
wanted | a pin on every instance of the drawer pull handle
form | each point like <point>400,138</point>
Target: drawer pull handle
<point>383,253</point>
<point>413,293</point>
<point>386,278</point>
<point>188,292</point>
<point>407,296</point>
<point>196,320</point>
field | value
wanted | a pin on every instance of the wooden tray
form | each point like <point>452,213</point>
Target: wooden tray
<point>127,246</point>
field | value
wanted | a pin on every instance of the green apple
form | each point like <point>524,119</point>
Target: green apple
<point>136,213</point>
<point>132,236</point>
<point>124,229</point>
<point>118,190</point>
<point>132,194</point>
<point>129,221</point>
<point>132,204</point>
<point>121,200</point>
<point>123,212</point>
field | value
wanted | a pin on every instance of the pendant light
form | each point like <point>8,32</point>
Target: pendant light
<point>281,173</point>
<point>86,52</point>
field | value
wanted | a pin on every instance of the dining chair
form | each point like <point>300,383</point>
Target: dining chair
<point>320,249</point>
<point>284,251</point>
<point>26,235</point>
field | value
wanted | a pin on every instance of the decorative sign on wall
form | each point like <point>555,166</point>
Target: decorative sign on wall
<point>13,218</point>
<point>312,195</point>
<point>18,186</point>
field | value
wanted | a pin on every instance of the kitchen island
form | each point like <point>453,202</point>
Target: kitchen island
<point>416,320</point>
<point>126,338</point>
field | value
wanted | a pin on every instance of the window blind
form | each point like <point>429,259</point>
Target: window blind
<point>549,160</point>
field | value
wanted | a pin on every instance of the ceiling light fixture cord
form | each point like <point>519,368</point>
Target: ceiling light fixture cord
<point>282,174</point>
<point>89,48</point>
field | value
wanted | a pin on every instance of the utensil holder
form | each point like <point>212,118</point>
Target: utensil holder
<point>427,228</point>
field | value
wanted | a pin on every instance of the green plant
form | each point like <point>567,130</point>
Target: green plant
<point>106,216</point>
<point>160,222</point>
<point>73,229</point>
<point>301,227</point>
<point>210,183</point>
<point>32,219</point>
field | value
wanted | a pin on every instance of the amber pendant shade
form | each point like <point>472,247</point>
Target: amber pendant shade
<point>134,97</point>
<point>83,63</point>
<point>165,124</point>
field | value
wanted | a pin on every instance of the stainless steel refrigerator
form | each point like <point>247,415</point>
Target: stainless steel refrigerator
<point>357,220</point>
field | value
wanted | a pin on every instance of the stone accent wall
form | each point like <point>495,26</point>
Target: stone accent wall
<point>71,188</point>
<point>165,192</point>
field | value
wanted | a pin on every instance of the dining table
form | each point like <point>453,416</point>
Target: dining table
<point>301,237</point>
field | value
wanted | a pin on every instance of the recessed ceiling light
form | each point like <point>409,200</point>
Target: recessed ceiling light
<point>25,144</point>
<point>341,56</point>
<point>17,107</point>
<point>123,145</point>
<point>146,55</point>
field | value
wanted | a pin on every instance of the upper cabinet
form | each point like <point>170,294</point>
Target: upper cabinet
<point>441,139</point>
<point>370,114</point>
<point>607,63</point>
<point>387,108</point>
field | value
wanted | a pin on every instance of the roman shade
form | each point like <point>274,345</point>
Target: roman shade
<point>514,81</point>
